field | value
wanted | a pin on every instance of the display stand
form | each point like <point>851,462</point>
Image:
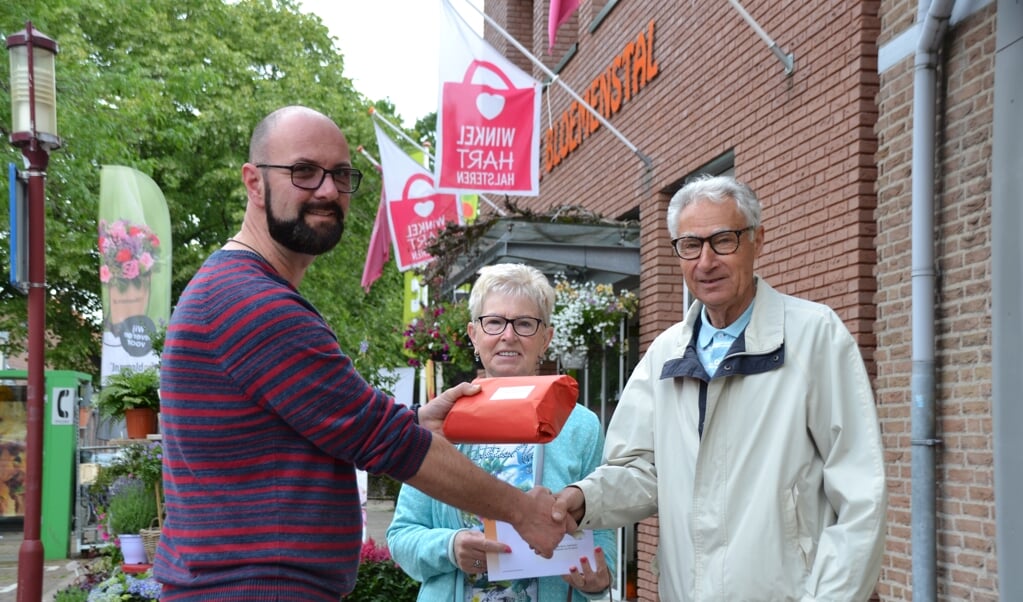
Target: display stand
<point>135,569</point>
<point>93,452</point>
<point>86,527</point>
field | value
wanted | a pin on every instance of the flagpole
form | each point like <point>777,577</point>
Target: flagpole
<point>398,130</point>
<point>788,60</point>
<point>554,78</point>
<point>369,157</point>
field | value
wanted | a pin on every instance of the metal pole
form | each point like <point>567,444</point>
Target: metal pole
<point>788,60</point>
<point>30,555</point>
<point>603,388</point>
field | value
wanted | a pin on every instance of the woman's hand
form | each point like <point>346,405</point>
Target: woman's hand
<point>471,548</point>
<point>589,579</point>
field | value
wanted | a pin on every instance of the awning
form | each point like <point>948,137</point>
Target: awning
<point>605,252</point>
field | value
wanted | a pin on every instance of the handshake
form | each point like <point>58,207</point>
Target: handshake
<point>546,521</point>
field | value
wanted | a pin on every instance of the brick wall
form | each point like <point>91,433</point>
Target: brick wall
<point>965,510</point>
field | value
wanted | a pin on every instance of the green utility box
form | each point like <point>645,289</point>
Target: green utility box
<point>64,391</point>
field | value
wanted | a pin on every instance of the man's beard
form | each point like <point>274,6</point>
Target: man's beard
<point>296,235</point>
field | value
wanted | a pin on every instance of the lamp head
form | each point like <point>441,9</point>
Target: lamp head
<point>33,88</point>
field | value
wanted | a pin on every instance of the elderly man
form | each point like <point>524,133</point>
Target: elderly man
<point>749,428</point>
<point>265,418</point>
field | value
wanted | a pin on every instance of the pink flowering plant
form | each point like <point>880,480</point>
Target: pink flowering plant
<point>380,578</point>
<point>439,334</point>
<point>128,252</point>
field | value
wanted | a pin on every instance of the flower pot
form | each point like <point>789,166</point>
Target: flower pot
<point>132,548</point>
<point>132,301</point>
<point>140,422</point>
<point>574,359</point>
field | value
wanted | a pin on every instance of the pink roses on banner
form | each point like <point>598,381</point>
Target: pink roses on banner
<point>127,251</point>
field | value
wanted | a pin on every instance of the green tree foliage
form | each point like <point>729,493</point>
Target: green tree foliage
<point>426,131</point>
<point>173,88</point>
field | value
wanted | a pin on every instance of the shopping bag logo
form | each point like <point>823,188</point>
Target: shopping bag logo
<point>417,217</point>
<point>487,133</point>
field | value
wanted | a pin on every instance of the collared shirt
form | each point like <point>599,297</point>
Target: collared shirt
<point>714,343</point>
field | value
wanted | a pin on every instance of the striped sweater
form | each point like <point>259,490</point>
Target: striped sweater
<point>264,422</point>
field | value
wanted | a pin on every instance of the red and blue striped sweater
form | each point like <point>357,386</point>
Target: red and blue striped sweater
<point>264,421</point>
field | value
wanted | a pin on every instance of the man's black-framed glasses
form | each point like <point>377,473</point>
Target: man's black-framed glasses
<point>524,327</point>
<point>722,243</point>
<point>310,177</point>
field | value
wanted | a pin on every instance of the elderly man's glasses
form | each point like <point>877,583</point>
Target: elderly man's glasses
<point>722,243</point>
<point>524,327</point>
<point>310,177</point>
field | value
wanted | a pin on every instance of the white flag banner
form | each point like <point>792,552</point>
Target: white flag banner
<point>488,126</point>
<point>416,211</point>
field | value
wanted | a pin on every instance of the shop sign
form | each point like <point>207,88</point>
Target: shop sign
<point>623,78</point>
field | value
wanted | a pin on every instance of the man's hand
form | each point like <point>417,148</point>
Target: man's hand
<point>569,505</point>
<point>432,414</point>
<point>536,525</point>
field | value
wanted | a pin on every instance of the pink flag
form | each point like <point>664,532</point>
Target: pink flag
<point>488,125</point>
<point>416,210</point>
<point>379,246</point>
<point>561,10</point>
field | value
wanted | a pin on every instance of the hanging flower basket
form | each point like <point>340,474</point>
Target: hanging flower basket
<point>588,316</point>
<point>438,334</point>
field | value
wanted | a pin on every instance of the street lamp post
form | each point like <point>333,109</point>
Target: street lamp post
<point>34,113</point>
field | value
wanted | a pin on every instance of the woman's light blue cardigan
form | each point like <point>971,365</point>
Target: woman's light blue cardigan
<point>422,530</point>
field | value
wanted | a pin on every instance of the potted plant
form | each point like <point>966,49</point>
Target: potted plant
<point>134,396</point>
<point>131,507</point>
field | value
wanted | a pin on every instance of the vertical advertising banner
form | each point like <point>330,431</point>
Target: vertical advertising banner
<point>135,267</point>
<point>489,119</point>
<point>416,211</point>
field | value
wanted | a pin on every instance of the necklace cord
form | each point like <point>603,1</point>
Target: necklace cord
<point>246,245</point>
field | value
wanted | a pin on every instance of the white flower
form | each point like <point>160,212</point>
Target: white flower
<point>588,315</point>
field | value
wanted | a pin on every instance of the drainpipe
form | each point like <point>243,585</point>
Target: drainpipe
<point>934,18</point>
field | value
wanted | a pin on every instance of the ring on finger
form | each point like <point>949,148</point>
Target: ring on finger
<point>476,564</point>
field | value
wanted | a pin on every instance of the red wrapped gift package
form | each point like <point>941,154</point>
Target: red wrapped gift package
<point>513,409</point>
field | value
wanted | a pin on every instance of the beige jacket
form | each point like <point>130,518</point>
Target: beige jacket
<point>785,497</point>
